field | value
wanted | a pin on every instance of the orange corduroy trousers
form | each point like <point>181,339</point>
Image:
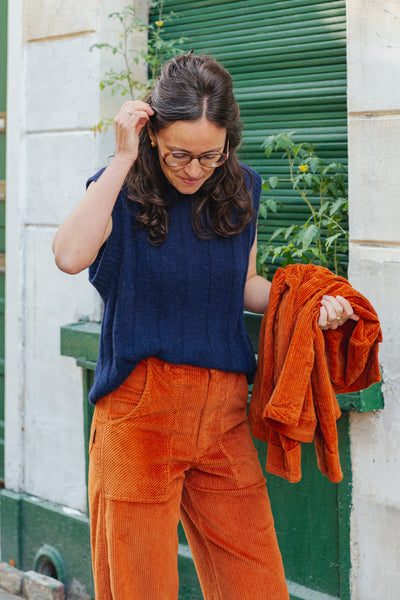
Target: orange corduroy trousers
<point>171,443</point>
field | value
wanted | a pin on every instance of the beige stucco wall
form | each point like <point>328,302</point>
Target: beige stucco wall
<point>374,158</point>
<point>54,99</point>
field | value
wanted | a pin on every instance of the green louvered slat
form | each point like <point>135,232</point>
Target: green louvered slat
<point>287,59</point>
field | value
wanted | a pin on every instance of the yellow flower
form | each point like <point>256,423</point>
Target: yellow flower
<point>303,168</point>
<point>159,23</point>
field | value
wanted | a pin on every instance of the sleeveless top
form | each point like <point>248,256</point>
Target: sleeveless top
<point>181,302</point>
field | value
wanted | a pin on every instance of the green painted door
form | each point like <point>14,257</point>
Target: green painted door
<point>3,103</point>
<point>288,63</point>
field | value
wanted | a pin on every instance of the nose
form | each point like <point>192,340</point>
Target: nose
<point>194,169</point>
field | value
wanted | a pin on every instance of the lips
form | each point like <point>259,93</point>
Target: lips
<point>190,181</point>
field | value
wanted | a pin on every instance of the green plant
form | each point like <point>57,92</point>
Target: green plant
<point>322,239</point>
<point>154,53</point>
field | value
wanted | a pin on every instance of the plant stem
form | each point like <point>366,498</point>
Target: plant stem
<point>126,60</point>
<point>337,224</point>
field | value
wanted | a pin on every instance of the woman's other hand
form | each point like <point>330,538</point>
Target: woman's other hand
<point>334,312</point>
<point>129,122</point>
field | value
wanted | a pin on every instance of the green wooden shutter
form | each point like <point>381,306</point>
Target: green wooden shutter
<point>288,62</point>
<point>3,120</point>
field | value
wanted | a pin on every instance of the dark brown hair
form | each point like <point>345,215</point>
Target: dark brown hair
<point>189,88</point>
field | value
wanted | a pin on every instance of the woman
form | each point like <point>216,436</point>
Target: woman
<point>168,231</point>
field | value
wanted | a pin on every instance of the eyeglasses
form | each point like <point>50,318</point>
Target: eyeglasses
<point>181,159</point>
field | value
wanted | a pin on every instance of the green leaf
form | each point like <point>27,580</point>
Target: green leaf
<point>268,145</point>
<point>316,252</point>
<point>262,211</point>
<point>337,205</point>
<point>310,234</point>
<point>264,256</point>
<point>332,166</point>
<point>314,163</point>
<point>272,205</point>
<point>329,241</point>
<point>333,189</point>
<point>308,179</point>
<point>322,210</point>
<point>273,181</point>
<point>266,186</point>
<point>286,142</point>
<point>289,231</point>
<point>277,233</point>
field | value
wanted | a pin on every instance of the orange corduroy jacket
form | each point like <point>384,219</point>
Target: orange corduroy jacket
<point>301,367</point>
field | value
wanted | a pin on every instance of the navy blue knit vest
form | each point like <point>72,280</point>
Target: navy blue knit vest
<point>181,302</point>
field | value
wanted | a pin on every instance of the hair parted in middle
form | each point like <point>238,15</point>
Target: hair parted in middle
<point>189,88</point>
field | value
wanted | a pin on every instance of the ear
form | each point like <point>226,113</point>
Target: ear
<point>151,135</point>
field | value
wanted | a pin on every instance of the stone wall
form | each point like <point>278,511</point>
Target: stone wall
<point>374,158</point>
<point>54,99</point>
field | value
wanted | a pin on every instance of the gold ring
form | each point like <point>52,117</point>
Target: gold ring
<point>130,112</point>
<point>338,318</point>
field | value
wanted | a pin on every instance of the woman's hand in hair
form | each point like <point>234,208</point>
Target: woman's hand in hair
<point>80,237</point>
<point>128,124</point>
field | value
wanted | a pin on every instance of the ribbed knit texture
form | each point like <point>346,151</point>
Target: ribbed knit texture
<point>181,302</point>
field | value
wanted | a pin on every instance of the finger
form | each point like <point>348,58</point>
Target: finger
<point>345,304</point>
<point>129,110</point>
<point>348,311</point>
<point>138,120</point>
<point>132,118</point>
<point>333,308</point>
<point>334,304</point>
<point>323,318</point>
<point>132,106</point>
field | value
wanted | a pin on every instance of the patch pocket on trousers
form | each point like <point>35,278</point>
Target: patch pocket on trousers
<point>135,461</point>
<point>125,400</point>
<point>123,404</point>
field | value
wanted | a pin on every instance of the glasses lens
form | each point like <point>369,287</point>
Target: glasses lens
<point>181,159</point>
<point>177,159</point>
<point>212,160</point>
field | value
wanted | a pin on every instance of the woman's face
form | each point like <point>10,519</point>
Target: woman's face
<point>195,137</point>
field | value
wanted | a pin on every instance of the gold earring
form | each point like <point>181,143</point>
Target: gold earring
<point>153,144</point>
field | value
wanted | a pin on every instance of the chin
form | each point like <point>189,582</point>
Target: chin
<point>187,188</point>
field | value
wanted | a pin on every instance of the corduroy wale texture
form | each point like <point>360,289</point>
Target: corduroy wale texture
<point>174,442</point>
<point>301,367</point>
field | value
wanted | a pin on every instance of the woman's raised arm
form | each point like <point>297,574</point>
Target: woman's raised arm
<point>80,237</point>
